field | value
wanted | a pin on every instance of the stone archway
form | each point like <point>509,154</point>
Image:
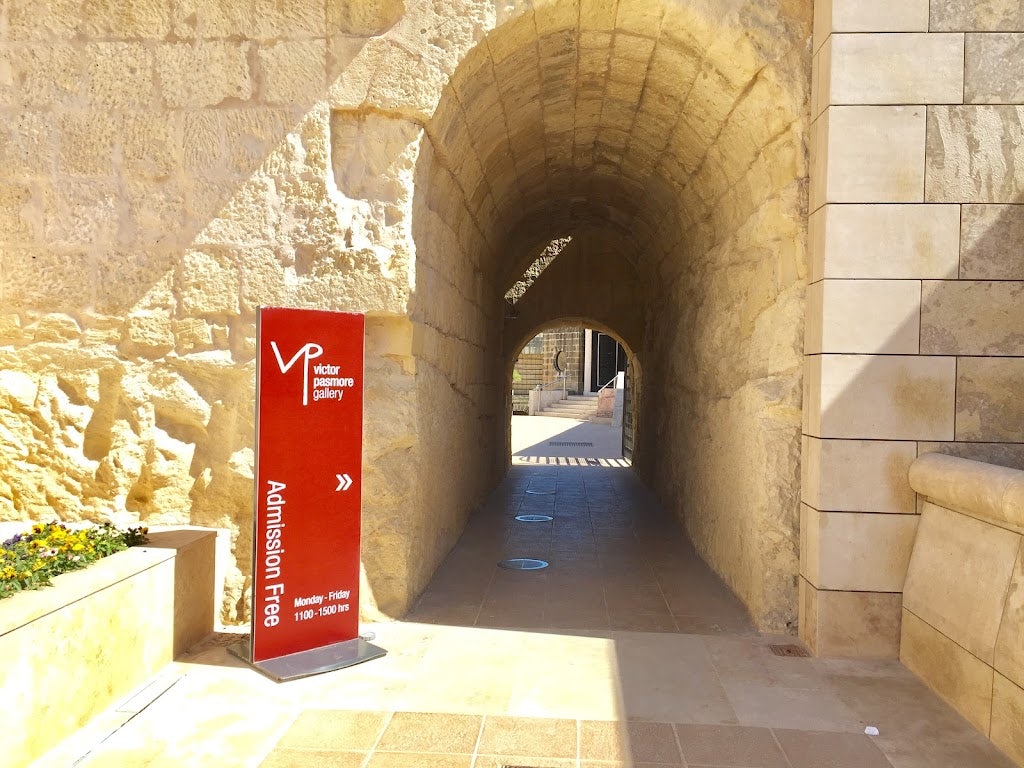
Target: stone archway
<point>679,132</point>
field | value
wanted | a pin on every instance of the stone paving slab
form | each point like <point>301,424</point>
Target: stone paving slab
<point>498,668</point>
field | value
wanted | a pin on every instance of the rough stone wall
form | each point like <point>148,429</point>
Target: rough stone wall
<point>720,425</point>
<point>914,321</point>
<point>166,168</point>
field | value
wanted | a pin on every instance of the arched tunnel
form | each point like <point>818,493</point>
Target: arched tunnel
<point>669,143</point>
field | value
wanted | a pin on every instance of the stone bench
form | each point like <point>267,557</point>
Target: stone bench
<point>69,651</point>
<point>963,603</point>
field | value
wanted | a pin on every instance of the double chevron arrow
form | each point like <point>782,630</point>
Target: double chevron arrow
<point>344,482</point>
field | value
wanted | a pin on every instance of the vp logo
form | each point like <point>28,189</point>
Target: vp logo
<point>307,352</point>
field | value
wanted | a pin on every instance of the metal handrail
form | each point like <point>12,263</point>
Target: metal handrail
<point>611,381</point>
<point>561,376</point>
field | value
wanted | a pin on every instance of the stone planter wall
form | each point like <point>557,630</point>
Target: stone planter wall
<point>963,602</point>
<point>68,652</point>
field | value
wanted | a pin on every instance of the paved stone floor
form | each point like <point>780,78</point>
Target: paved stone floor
<point>626,651</point>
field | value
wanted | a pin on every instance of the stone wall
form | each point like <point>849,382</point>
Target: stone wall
<point>719,432</point>
<point>914,309</point>
<point>167,167</point>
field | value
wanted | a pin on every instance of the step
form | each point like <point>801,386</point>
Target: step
<point>554,410</point>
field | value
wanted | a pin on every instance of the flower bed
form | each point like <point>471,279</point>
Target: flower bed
<point>69,651</point>
<point>30,560</point>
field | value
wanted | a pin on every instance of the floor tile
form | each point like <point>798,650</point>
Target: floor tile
<point>653,743</point>
<point>414,760</point>
<point>810,749</point>
<point>778,707</point>
<point>335,730</point>
<point>312,758</point>
<point>527,761</point>
<point>431,732</point>
<point>537,737</point>
<point>734,746</point>
<point>604,741</point>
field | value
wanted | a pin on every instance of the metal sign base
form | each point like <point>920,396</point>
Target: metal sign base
<point>312,662</point>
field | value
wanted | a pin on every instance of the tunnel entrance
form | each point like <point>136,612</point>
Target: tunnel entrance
<point>663,147</point>
<point>558,415</point>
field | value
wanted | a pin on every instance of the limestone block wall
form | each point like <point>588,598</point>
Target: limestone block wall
<point>167,167</point>
<point>914,314</point>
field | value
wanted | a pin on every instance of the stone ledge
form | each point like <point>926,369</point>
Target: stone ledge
<point>68,651</point>
<point>987,491</point>
<point>963,602</point>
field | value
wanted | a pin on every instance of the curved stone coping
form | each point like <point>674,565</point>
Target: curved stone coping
<point>972,487</point>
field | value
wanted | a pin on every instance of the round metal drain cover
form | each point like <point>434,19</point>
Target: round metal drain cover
<point>523,564</point>
<point>534,518</point>
<point>541,493</point>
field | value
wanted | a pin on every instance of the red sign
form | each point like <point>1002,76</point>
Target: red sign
<point>309,439</point>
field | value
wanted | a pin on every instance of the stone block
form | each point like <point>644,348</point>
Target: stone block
<point>863,316</point>
<point>1007,730</point>
<point>958,578</point>
<point>1000,454</point>
<point>974,16</point>
<point>889,397</point>
<point>87,143</point>
<point>922,68</point>
<point>970,155</point>
<point>148,19</point>
<point>994,69</point>
<point>868,16</point>
<point>207,19</point>
<point>47,279</point>
<point>120,75</point>
<point>294,71</point>
<point>893,242</point>
<point>852,551</point>
<point>992,242</point>
<point>953,673</point>
<point>48,76</point>
<point>203,148</point>
<point>34,20</point>
<point>249,217</point>
<point>967,317</point>
<point>19,218</point>
<point>125,278</point>
<point>147,334</point>
<point>858,475</point>
<point>298,18</point>
<point>156,213</point>
<point>1009,650</point>
<point>989,407</point>
<point>869,154</point>
<point>203,75</point>
<point>149,146</point>
<point>209,283</point>
<point>364,19</point>
<point>250,135</point>
<point>851,624</point>
<point>82,211</point>
<point>821,67</point>
<point>28,142</point>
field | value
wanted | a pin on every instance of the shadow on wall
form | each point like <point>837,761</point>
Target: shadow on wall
<point>156,194</point>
